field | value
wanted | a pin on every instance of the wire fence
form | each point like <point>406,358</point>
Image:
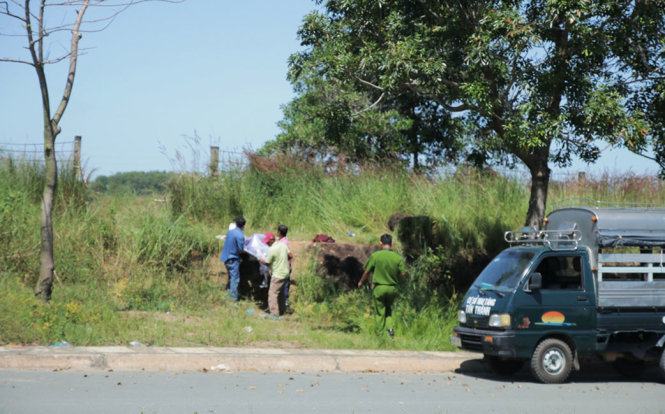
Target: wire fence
<point>230,160</point>
<point>34,152</point>
<point>235,159</point>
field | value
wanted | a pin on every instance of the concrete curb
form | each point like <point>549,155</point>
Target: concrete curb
<point>230,359</point>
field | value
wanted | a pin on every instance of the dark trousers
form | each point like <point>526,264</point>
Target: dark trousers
<point>285,290</point>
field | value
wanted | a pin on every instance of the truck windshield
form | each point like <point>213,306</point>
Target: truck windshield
<point>505,271</point>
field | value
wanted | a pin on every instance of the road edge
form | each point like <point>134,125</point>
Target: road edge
<point>229,359</point>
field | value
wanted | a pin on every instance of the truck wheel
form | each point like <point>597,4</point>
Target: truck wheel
<point>552,361</point>
<point>662,366</point>
<point>504,367</point>
<point>629,367</point>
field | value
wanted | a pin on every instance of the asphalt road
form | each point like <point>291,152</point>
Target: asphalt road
<point>595,391</point>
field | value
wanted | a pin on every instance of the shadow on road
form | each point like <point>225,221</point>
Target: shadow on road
<point>591,371</point>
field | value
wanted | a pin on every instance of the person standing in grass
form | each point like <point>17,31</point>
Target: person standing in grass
<point>385,267</point>
<point>278,260</point>
<point>234,244</point>
<point>283,229</point>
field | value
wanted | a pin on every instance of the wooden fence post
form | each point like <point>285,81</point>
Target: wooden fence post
<point>77,158</point>
<point>9,163</point>
<point>213,168</point>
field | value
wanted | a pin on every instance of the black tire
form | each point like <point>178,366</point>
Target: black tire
<point>504,367</point>
<point>661,365</point>
<point>552,361</point>
<point>629,367</point>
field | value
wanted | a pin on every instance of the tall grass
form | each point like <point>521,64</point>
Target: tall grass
<point>21,187</point>
<point>605,190</point>
<point>206,199</point>
<point>311,201</point>
<point>26,175</point>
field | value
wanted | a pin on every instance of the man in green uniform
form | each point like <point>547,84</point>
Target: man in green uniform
<point>386,267</point>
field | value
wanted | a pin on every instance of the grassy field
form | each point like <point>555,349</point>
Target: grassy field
<point>145,268</point>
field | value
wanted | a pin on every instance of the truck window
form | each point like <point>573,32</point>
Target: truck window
<point>505,271</point>
<point>561,272</point>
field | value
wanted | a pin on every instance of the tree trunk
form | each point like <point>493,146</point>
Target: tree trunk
<point>47,262</point>
<point>51,130</point>
<point>540,179</point>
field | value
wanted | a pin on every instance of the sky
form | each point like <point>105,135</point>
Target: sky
<point>163,73</point>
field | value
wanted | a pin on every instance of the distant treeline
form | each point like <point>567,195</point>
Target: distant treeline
<point>136,182</point>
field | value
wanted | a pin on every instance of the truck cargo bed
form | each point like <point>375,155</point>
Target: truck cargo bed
<point>631,294</point>
<point>631,320</point>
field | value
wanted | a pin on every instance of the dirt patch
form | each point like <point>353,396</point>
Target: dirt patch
<point>301,255</point>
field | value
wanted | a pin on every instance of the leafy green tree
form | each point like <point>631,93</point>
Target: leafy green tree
<point>536,81</point>
<point>333,116</point>
<point>136,182</point>
<point>640,47</point>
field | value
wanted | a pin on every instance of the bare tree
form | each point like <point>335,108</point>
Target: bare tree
<point>34,28</point>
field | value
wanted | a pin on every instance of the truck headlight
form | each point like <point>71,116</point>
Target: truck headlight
<point>461,316</point>
<point>501,320</point>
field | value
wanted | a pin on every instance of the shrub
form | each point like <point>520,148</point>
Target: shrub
<point>170,244</point>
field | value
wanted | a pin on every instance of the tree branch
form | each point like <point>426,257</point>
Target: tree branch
<point>648,157</point>
<point>6,12</point>
<point>107,20</point>
<point>18,3</point>
<point>57,60</point>
<point>11,60</point>
<point>369,84</point>
<point>110,3</point>
<point>73,59</point>
<point>371,106</point>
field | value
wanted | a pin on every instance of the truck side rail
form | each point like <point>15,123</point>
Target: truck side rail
<point>647,264</point>
<point>640,289</point>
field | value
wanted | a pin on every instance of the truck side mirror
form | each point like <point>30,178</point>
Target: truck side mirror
<point>535,281</point>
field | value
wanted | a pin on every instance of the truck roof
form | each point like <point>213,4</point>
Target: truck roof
<point>612,227</point>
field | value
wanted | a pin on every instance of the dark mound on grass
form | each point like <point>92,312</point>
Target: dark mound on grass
<point>342,263</point>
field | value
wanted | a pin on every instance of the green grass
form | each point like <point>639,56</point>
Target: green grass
<point>85,316</point>
<point>138,268</point>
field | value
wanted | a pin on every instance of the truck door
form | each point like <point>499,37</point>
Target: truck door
<point>564,305</point>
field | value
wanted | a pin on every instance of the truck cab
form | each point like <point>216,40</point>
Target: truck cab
<point>544,299</point>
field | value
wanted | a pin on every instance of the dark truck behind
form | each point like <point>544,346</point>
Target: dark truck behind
<point>591,283</point>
